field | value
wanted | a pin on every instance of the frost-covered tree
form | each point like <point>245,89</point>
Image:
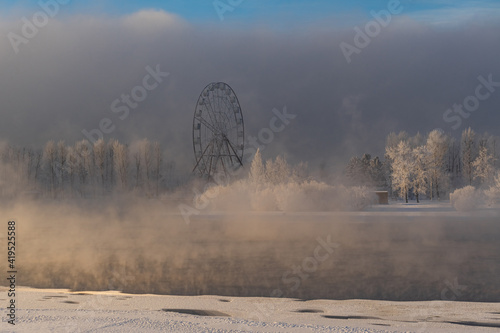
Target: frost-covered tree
<point>62,155</point>
<point>300,172</point>
<point>277,171</point>
<point>158,160</point>
<point>453,165</point>
<point>82,169</point>
<point>30,164</point>
<point>37,164</point>
<point>402,166</point>
<point>493,193</point>
<point>121,163</point>
<point>493,148</point>
<point>138,169</point>
<point>365,171</point>
<point>468,154</point>
<point>417,140</point>
<point>437,148</point>
<point>147,153</point>
<point>420,172</point>
<point>394,139</point>
<point>100,160</point>
<point>50,160</point>
<point>110,164</point>
<point>355,171</point>
<point>73,165</point>
<point>84,160</point>
<point>377,173</point>
<point>257,170</point>
<point>483,166</point>
<point>465,199</point>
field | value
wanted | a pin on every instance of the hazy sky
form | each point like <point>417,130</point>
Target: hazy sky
<point>65,75</point>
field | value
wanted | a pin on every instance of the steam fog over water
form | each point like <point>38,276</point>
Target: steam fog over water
<point>141,246</point>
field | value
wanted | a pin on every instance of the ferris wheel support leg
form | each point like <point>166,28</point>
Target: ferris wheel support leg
<point>201,157</point>
<point>234,151</point>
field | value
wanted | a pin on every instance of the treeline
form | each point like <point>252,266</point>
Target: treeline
<point>429,166</point>
<point>85,169</point>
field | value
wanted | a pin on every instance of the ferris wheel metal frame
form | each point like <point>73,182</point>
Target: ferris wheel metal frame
<point>218,131</point>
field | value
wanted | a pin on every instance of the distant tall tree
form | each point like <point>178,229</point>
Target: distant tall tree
<point>417,140</point>
<point>355,171</point>
<point>300,172</point>
<point>493,143</point>
<point>73,165</point>
<point>170,179</point>
<point>50,157</point>
<point>402,166</point>
<point>394,139</point>
<point>453,167</point>
<point>37,165</point>
<point>468,153</point>
<point>62,155</point>
<point>157,157</point>
<point>277,171</point>
<point>110,164</point>
<point>84,161</point>
<point>138,169</point>
<point>257,170</point>
<point>493,193</point>
<point>147,154</point>
<point>420,171</point>
<point>483,166</point>
<point>365,171</point>
<point>100,161</point>
<point>31,163</point>
<point>437,147</point>
<point>122,163</point>
<point>377,173</point>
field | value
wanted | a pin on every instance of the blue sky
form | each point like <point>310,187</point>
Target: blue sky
<point>273,12</point>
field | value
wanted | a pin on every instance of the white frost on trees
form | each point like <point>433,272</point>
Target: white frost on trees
<point>420,172</point>
<point>257,170</point>
<point>493,193</point>
<point>402,166</point>
<point>437,147</point>
<point>84,169</point>
<point>277,171</point>
<point>465,199</point>
<point>483,166</point>
<point>121,164</point>
<point>100,161</point>
<point>50,163</point>
<point>277,186</point>
<point>468,153</point>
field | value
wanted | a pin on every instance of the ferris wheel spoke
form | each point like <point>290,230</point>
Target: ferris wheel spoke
<point>211,159</point>
<point>229,151</point>
<point>206,123</point>
<point>210,110</point>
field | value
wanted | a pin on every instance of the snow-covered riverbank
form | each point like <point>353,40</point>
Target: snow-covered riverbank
<point>59,310</point>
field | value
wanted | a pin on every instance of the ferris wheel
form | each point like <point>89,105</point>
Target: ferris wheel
<point>218,131</point>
